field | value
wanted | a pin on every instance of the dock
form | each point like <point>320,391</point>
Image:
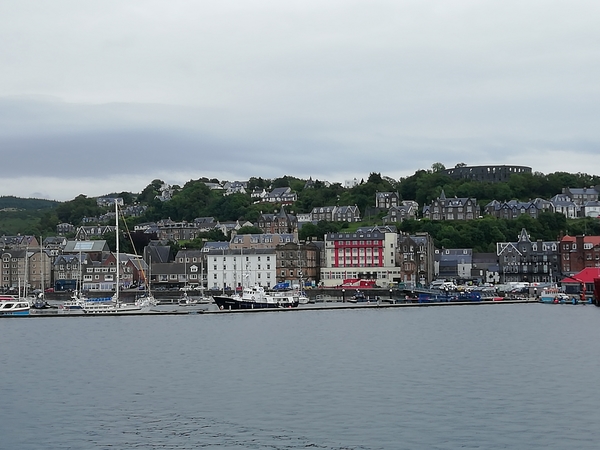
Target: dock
<point>319,306</point>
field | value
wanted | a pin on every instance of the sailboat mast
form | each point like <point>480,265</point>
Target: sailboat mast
<point>117,250</point>
<point>42,267</point>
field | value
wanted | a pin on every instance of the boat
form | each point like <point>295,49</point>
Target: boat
<point>189,300</point>
<point>554,295</point>
<point>303,298</point>
<point>14,306</point>
<point>358,296</point>
<point>114,306</point>
<point>255,297</point>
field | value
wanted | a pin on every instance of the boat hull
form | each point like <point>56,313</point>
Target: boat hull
<point>15,313</point>
<point>227,303</point>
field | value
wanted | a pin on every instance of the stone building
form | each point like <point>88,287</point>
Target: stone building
<point>443,208</point>
<point>528,261</point>
<point>415,259</point>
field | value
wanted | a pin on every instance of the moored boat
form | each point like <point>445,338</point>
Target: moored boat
<point>554,295</point>
<point>14,307</point>
<point>256,297</point>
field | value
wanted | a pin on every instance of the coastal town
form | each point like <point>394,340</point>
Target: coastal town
<point>79,258</point>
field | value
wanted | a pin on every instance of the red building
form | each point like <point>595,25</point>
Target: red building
<point>579,252</point>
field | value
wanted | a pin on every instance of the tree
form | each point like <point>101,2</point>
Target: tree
<point>249,230</point>
<point>151,191</point>
<point>437,167</point>
<point>76,209</point>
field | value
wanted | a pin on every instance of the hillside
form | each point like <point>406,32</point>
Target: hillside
<point>196,199</point>
<point>28,204</point>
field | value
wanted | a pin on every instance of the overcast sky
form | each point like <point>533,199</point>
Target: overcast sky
<point>105,96</point>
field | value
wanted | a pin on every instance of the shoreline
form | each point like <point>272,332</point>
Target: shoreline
<point>325,306</point>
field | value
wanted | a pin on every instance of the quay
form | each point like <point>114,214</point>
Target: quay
<point>319,306</point>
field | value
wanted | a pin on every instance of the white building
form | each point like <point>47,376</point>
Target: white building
<point>238,268</point>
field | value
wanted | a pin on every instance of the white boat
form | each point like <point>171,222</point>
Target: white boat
<point>76,303</point>
<point>187,300</point>
<point>554,295</point>
<point>114,306</point>
<point>14,306</point>
<point>147,299</point>
<point>302,298</point>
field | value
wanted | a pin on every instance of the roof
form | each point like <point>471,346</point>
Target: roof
<point>587,275</point>
<point>594,240</point>
<point>86,246</point>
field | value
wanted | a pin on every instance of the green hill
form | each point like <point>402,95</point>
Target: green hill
<point>17,203</point>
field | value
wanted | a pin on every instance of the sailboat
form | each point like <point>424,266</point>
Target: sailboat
<point>115,306</point>
<point>78,299</point>
<point>302,297</point>
<point>147,299</point>
<point>40,301</point>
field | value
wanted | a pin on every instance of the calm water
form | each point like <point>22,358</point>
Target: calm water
<point>469,377</point>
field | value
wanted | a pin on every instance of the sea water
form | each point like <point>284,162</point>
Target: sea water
<point>469,377</point>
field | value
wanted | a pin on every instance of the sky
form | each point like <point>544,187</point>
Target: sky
<point>105,96</point>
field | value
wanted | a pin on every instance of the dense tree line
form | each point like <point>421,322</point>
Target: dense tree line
<point>195,199</point>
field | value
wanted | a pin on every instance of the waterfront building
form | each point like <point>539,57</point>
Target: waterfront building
<point>415,259</point>
<point>528,261</point>
<point>578,253</point>
<point>193,264</point>
<point>368,253</point>
<point>68,271</point>
<point>297,261</point>
<point>485,268</point>
<point>453,263</point>
<point>234,269</point>
<point>26,267</point>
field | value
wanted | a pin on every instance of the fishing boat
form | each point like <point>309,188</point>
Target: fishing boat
<point>554,295</point>
<point>255,297</point>
<point>13,306</point>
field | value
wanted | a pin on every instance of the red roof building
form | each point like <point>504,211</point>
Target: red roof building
<point>587,276</point>
<point>578,253</point>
